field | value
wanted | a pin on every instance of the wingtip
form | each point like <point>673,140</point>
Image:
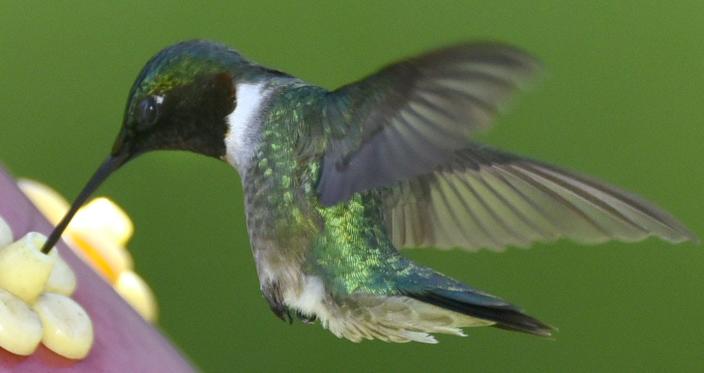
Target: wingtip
<point>691,238</point>
<point>681,234</point>
<point>690,235</point>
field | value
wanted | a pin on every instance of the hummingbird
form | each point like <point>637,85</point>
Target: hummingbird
<point>337,182</point>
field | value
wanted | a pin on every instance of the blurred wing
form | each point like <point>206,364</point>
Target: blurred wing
<point>485,198</point>
<point>413,115</point>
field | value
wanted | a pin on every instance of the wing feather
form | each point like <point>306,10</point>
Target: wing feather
<point>486,198</point>
<point>430,105</point>
<point>406,131</point>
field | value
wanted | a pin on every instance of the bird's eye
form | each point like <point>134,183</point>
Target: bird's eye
<point>148,112</point>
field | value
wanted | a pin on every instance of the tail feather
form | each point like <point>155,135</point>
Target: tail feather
<point>505,316</point>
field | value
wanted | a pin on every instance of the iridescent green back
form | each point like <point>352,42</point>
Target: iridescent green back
<point>346,244</point>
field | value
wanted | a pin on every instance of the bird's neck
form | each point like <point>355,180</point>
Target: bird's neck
<point>245,123</point>
<point>280,174</point>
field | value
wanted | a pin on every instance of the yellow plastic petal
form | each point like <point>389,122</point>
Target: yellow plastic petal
<point>99,216</point>
<point>103,217</point>
<point>24,269</point>
<point>50,203</point>
<point>62,280</point>
<point>20,328</point>
<point>68,330</point>
<point>138,294</point>
<point>106,256</point>
<point>5,233</point>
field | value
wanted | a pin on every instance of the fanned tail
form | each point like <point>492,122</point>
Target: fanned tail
<point>423,302</point>
<point>436,289</point>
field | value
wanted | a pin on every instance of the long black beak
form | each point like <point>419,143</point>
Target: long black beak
<point>112,163</point>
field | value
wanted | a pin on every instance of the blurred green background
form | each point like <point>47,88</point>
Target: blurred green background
<point>621,100</point>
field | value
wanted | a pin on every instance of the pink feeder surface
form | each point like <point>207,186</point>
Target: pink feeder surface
<point>124,342</point>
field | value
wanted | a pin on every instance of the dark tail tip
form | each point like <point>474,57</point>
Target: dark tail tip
<point>504,315</point>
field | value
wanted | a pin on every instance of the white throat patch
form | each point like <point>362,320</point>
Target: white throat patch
<point>244,122</point>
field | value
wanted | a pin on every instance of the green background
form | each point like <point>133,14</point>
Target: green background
<point>622,100</point>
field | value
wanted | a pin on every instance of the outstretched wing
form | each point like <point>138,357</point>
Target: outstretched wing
<point>413,115</point>
<point>485,198</point>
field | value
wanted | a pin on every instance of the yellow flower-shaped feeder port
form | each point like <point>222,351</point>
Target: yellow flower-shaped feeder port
<point>35,300</point>
<point>98,234</point>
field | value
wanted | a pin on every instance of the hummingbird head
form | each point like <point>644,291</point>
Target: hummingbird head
<point>179,101</point>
